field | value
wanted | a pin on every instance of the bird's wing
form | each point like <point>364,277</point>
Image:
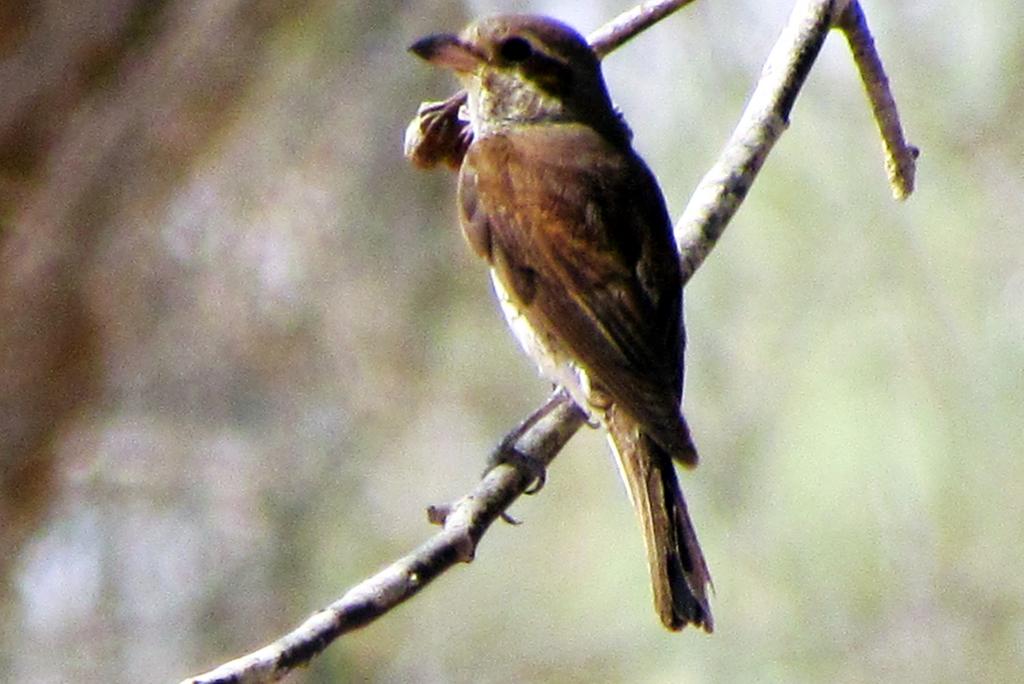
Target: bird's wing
<point>578,232</point>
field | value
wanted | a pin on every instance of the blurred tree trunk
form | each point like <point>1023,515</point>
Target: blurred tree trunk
<point>105,104</point>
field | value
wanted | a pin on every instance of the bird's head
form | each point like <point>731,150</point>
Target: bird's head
<point>525,69</point>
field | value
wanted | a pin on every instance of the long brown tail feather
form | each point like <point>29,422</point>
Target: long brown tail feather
<point>679,575</point>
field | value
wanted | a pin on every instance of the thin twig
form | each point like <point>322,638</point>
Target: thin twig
<point>628,24</point>
<point>900,157</point>
<point>723,188</point>
<point>714,203</point>
<point>766,117</point>
<point>464,524</point>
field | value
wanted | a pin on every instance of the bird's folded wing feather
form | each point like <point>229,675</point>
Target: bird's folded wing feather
<point>578,232</point>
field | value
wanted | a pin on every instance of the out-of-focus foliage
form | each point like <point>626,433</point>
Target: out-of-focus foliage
<point>243,347</point>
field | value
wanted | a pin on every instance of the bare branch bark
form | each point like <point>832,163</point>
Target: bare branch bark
<point>900,157</point>
<point>543,434</point>
<point>628,24</point>
<point>465,522</point>
<point>766,117</point>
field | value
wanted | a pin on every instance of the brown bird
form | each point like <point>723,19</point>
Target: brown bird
<point>579,241</point>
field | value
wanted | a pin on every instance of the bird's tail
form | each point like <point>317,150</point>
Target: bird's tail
<point>679,575</point>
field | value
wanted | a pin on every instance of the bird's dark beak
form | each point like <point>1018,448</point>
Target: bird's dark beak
<point>448,51</point>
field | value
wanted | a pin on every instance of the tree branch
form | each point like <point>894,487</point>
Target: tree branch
<point>766,117</point>
<point>628,24</point>
<point>542,436</point>
<point>437,135</point>
<point>900,157</point>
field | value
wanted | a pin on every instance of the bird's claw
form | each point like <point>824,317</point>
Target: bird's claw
<point>508,453</point>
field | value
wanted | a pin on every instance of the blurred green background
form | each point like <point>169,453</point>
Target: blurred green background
<point>243,346</point>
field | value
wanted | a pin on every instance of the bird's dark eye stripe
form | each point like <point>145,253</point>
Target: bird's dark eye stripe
<point>515,49</point>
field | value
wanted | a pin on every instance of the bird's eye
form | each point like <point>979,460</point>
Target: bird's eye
<point>515,49</point>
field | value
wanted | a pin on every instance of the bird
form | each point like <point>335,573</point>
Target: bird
<point>579,242</point>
